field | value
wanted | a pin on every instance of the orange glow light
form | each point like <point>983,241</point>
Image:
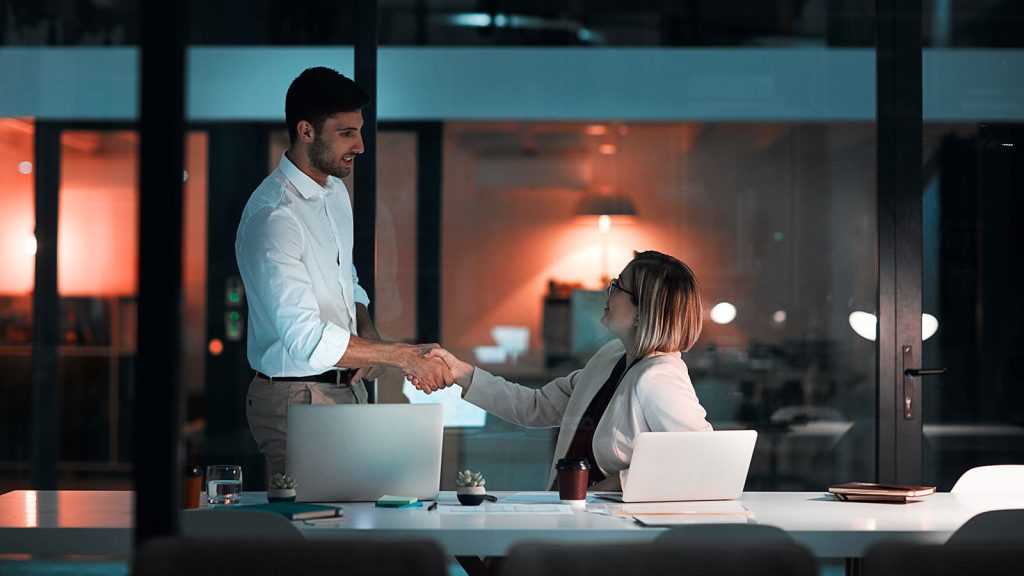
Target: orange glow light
<point>216,347</point>
<point>607,149</point>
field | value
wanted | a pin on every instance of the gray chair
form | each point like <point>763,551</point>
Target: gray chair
<point>1001,527</point>
<point>176,556</point>
<point>725,534</point>
<point>219,524</point>
<point>903,559</point>
<point>658,559</point>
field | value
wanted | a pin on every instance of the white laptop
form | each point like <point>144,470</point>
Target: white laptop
<point>360,452</point>
<point>678,466</point>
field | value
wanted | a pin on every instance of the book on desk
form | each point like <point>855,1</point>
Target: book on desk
<point>296,510</point>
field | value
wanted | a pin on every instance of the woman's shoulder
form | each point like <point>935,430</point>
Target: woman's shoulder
<point>661,367</point>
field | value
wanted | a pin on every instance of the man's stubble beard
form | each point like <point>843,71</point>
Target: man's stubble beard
<point>320,159</point>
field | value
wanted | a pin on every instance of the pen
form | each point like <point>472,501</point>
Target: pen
<point>432,506</point>
<point>490,498</point>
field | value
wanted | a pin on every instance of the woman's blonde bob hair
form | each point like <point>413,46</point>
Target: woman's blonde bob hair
<point>671,313</point>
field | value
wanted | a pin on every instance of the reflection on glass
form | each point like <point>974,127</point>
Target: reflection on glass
<point>772,217</point>
<point>974,413</point>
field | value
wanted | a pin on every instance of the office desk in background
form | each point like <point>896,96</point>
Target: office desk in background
<point>96,522</point>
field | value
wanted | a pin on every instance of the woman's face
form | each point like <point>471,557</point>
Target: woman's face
<point>620,312</point>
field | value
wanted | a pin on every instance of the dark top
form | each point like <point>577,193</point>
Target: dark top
<point>582,445</point>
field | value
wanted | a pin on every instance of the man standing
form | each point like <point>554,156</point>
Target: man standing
<point>311,339</point>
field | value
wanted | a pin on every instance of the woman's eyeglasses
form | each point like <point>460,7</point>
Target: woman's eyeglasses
<point>615,284</point>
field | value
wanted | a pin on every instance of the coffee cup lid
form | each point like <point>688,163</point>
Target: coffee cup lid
<point>572,464</point>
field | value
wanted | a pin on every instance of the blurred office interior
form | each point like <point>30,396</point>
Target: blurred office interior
<point>525,149</point>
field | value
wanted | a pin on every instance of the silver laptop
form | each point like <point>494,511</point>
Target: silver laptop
<point>360,452</point>
<point>678,466</point>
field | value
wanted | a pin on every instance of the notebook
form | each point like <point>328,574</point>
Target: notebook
<point>872,492</point>
<point>682,466</point>
<point>360,452</point>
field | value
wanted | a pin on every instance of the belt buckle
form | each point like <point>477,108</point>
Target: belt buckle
<point>343,378</point>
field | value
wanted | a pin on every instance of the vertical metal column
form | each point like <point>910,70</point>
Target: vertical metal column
<point>45,306</point>
<point>429,146</point>
<point>158,449</point>
<point>365,194</point>
<point>899,37</point>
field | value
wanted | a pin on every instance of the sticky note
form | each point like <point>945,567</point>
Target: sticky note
<point>388,501</point>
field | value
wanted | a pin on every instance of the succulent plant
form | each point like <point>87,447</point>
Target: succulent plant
<point>468,479</point>
<point>282,481</point>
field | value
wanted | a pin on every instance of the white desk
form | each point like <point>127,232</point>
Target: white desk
<point>66,522</point>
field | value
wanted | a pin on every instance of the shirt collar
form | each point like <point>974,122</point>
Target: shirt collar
<point>303,183</point>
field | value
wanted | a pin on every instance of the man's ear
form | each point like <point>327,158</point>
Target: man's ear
<point>306,131</point>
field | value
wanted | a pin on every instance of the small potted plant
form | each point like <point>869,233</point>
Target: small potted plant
<point>282,488</point>
<point>469,488</point>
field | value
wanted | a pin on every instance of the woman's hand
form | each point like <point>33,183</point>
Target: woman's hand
<point>609,484</point>
<point>462,371</point>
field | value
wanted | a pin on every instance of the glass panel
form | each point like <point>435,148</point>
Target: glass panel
<point>776,219</point>
<point>97,280</point>
<point>194,274</point>
<point>17,252</point>
<point>574,23</point>
<point>974,413</point>
<point>397,202</point>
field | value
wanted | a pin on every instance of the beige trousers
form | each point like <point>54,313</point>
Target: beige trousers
<point>266,408</point>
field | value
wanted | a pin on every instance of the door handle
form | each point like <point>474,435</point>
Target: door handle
<point>908,381</point>
<point>915,372</point>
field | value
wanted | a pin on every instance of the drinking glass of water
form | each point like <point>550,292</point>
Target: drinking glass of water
<point>223,484</point>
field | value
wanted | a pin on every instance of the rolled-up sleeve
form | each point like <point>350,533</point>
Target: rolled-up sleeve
<point>360,294</point>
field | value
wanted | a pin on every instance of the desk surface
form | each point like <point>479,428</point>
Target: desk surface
<point>96,522</point>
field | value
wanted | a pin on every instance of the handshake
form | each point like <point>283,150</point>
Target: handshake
<point>435,368</point>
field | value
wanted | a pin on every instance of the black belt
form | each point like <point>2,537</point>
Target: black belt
<point>341,377</point>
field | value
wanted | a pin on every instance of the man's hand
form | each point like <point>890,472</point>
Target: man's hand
<point>428,374</point>
<point>462,371</point>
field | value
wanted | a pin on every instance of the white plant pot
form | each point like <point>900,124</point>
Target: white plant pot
<point>470,495</point>
<point>281,494</point>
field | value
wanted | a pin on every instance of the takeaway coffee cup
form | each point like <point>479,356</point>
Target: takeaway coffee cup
<point>573,476</point>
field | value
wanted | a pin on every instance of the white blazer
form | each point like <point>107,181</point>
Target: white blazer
<point>655,395</point>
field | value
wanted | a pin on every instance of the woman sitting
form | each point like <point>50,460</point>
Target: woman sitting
<point>635,383</point>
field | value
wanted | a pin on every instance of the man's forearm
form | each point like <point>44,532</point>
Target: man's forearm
<point>363,352</point>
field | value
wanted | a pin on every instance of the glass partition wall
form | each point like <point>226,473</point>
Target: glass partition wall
<point>768,191</point>
<point>777,221</point>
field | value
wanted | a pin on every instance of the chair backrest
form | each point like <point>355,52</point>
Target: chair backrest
<point>658,559</point>
<point>904,559</point>
<point>999,480</point>
<point>220,524</point>
<point>175,556</point>
<point>725,534</point>
<point>992,527</point>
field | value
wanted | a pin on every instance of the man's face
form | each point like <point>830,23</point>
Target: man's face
<point>335,146</point>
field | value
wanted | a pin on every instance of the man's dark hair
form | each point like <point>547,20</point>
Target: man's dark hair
<point>318,93</point>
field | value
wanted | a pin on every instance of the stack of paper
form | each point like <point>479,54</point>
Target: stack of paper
<point>674,513</point>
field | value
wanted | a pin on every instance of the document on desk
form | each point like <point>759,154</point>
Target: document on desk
<point>673,513</point>
<point>539,498</point>
<point>489,509</point>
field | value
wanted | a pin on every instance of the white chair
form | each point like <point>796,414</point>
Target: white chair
<point>996,481</point>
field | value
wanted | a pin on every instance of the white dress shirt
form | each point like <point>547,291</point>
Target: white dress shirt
<point>294,251</point>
